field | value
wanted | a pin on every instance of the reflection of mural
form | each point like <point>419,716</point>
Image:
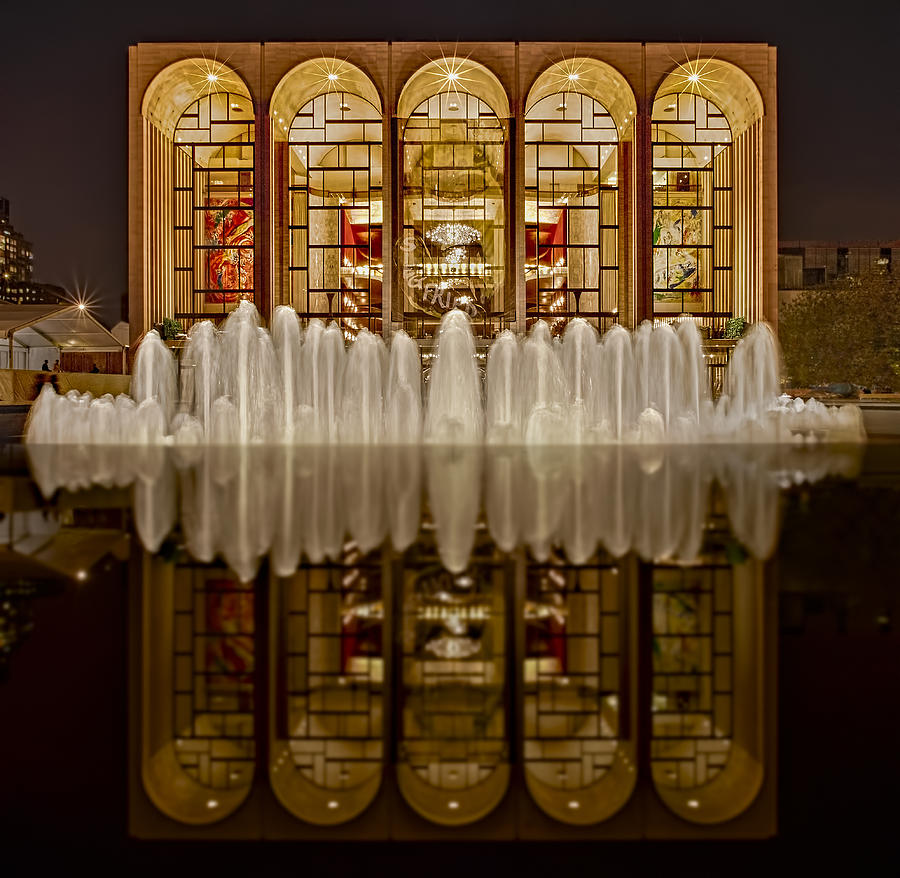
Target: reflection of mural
<point>231,268</point>
<point>229,625</point>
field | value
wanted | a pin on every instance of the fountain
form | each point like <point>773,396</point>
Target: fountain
<point>242,385</point>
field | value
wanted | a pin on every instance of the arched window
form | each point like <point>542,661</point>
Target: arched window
<point>692,199</point>
<point>214,219</point>
<point>199,650</point>
<point>199,230</point>
<point>452,245</point>
<point>326,741</point>
<point>578,133</point>
<point>579,708</point>
<point>706,131</point>
<point>327,130</point>
<point>706,754</point>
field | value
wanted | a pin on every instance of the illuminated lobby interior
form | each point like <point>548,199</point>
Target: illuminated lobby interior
<point>381,184</point>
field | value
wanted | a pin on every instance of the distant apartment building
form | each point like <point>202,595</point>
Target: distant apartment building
<point>806,264</point>
<point>29,292</point>
<point>16,255</point>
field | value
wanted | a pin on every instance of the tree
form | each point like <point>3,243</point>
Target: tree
<point>847,330</point>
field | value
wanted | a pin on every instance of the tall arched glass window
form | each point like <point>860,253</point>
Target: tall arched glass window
<point>578,170</point>
<point>213,209</point>
<point>692,209</point>
<point>336,210</point>
<point>327,205</point>
<point>571,211</point>
<point>452,242</point>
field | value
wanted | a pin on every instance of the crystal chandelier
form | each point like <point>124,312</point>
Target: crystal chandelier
<point>453,234</point>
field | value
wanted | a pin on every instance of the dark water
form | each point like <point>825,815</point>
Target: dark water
<point>682,656</point>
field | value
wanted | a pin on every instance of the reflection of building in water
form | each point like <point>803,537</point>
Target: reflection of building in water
<point>452,748</point>
<point>579,722</point>
<point>198,709</point>
<point>326,748</point>
<point>599,742</point>
<point>707,708</point>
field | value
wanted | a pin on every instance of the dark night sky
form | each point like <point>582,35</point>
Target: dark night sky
<point>63,80</point>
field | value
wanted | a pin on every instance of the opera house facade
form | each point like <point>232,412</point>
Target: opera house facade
<point>380,184</point>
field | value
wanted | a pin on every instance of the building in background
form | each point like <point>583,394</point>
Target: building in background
<point>803,265</point>
<point>520,181</point>
<point>29,292</point>
<point>16,254</point>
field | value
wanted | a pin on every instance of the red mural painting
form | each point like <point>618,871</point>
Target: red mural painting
<point>230,268</point>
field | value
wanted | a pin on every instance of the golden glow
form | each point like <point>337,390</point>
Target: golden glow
<point>211,76</point>
<point>696,77</point>
<point>326,74</point>
<point>566,75</point>
<point>451,75</point>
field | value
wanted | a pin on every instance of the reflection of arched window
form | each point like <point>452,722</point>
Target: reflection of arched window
<point>327,132</point>
<point>326,747</point>
<point>706,130</point>
<point>453,756</point>
<point>579,720</point>
<point>199,642</point>
<point>576,187</point>
<point>706,747</point>
<point>214,229</point>
<point>453,242</point>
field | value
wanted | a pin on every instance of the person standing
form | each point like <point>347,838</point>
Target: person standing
<point>56,366</point>
<point>46,366</point>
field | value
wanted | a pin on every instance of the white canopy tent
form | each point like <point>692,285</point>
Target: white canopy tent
<point>66,327</point>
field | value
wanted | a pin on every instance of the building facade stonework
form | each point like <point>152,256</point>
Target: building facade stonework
<point>379,184</point>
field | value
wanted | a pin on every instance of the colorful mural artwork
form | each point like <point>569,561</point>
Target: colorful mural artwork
<point>676,261</point>
<point>229,641</point>
<point>230,268</point>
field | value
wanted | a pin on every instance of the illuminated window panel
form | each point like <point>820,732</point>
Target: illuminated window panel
<point>692,226</point>
<point>213,206</point>
<point>334,234</point>
<point>452,246</point>
<point>571,211</point>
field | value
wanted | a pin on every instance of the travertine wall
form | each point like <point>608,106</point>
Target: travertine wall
<point>261,66</point>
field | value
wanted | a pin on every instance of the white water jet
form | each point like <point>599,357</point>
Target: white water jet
<point>502,414</point>
<point>287,339</point>
<point>362,400</point>
<point>454,413</point>
<point>579,361</point>
<point>154,374</point>
<point>243,385</point>
<point>403,394</point>
<point>541,389</point>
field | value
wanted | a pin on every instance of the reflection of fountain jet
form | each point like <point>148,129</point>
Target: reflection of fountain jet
<point>362,473</point>
<point>243,502</point>
<point>454,495</point>
<point>502,501</point>
<point>544,493</point>
<point>403,467</point>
